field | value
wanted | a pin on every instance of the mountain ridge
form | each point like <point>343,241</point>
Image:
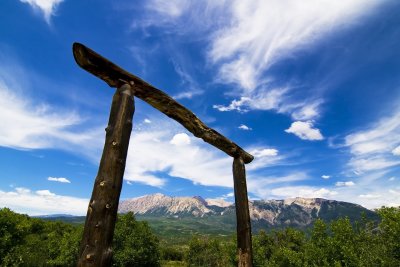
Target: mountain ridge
<point>296,212</point>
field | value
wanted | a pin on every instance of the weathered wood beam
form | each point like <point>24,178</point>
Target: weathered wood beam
<point>95,250</point>
<point>114,76</point>
<point>243,229</point>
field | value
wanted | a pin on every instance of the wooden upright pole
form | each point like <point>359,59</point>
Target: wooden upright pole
<point>98,233</point>
<point>244,245</point>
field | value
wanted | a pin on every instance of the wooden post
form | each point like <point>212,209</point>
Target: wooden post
<point>244,245</point>
<point>95,249</point>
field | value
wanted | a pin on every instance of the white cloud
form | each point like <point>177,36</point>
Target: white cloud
<point>33,125</point>
<point>302,191</point>
<point>396,151</point>
<point>347,183</point>
<point>45,193</point>
<point>188,94</point>
<point>187,81</point>
<point>160,150</point>
<point>21,190</point>
<point>147,121</point>
<point>261,186</point>
<point>394,192</point>
<point>245,127</point>
<point>277,99</point>
<point>364,191</point>
<point>370,196</point>
<point>260,33</point>
<point>231,194</point>
<point>47,7</point>
<point>246,38</point>
<point>381,136</point>
<point>174,8</point>
<point>305,130</point>
<point>42,202</point>
<point>265,152</point>
<point>372,163</point>
<point>325,176</point>
<point>307,110</point>
<point>59,179</point>
<point>234,105</point>
<point>180,139</point>
<point>152,151</point>
<point>375,147</point>
<point>263,157</point>
<point>391,179</point>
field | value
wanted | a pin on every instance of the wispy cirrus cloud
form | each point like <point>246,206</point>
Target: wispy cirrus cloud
<point>191,88</point>
<point>260,33</point>
<point>375,147</point>
<point>247,38</point>
<point>47,7</point>
<point>33,125</point>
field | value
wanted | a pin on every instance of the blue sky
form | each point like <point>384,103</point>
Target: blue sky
<point>311,89</point>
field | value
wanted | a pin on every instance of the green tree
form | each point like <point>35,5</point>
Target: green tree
<point>390,232</point>
<point>263,248</point>
<point>134,243</point>
<point>207,252</point>
<point>13,229</point>
<point>64,248</point>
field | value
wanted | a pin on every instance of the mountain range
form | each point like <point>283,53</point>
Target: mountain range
<point>295,212</point>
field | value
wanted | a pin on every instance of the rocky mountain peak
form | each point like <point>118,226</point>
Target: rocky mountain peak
<point>202,200</point>
<point>219,202</point>
<point>162,204</point>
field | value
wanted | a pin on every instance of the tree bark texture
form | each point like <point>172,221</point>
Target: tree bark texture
<point>114,76</point>
<point>244,244</point>
<point>95,249</point>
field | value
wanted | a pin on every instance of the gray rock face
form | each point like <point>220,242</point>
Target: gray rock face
<point>159,204</point>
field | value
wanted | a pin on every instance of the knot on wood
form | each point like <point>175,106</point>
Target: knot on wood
<point>108,128</point>
<point>90,257</point>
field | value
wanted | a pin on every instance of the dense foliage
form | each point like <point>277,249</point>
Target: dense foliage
<point>339,243</point>
<point>134,243</point>
<point>26,241</point>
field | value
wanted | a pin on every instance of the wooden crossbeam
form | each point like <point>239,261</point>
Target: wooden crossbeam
<point>115,76</point>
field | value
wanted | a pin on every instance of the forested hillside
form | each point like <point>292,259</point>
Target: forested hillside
<point>26,241</point>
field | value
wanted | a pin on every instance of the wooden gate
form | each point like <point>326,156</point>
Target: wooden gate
<point>101,216</point>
